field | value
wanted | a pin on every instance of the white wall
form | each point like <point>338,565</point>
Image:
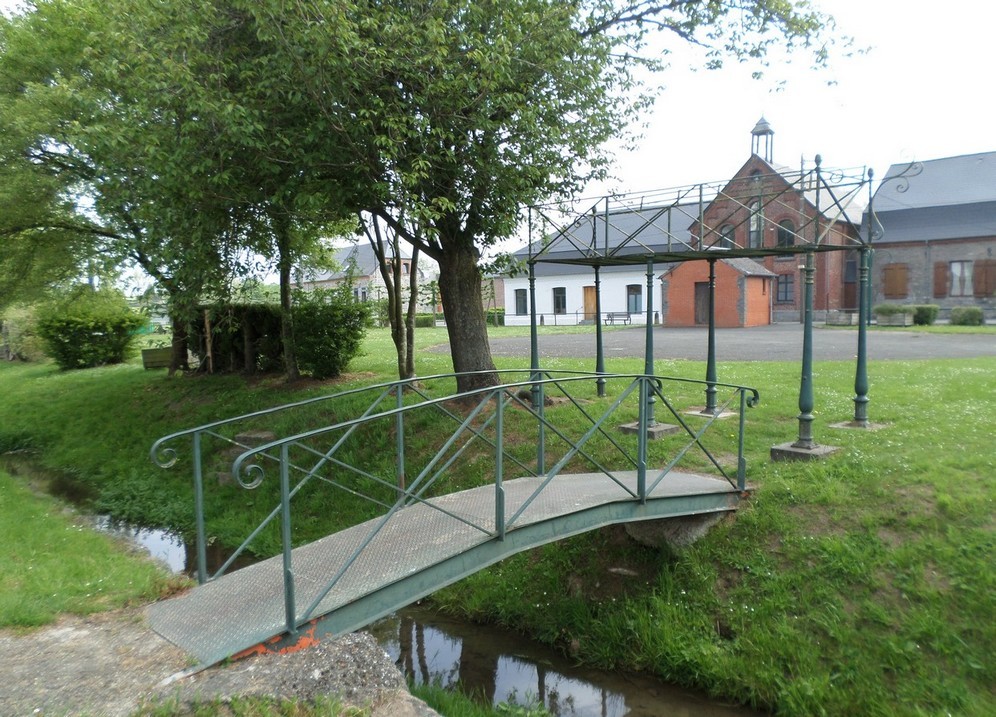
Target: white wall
<point>613,292</point>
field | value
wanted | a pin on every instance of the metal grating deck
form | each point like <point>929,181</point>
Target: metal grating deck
<point>246,607</point>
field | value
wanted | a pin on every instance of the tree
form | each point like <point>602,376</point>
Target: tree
<point>477,108</point>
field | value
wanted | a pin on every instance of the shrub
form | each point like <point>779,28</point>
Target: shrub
<point>328,327</point>
<point>87,327</point>
<point>238,330</point>
<point>967,316</point>
<point>20,340</point>
<point>925,314</point>
<point>496,317</point>
<point>424,321</point>
<point>892,309</point>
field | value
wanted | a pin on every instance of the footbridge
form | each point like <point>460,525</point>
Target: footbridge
<point>448,483</point>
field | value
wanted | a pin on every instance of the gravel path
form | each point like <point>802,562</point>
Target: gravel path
<point>110,663</point>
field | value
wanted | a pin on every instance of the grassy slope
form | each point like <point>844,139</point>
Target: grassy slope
<point>863,584</point>
<point>53,563</point>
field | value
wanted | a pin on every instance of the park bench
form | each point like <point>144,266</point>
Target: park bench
<point>622,317</point>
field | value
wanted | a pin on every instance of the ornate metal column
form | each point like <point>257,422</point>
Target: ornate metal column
<point>710,391</point>
<point>806,399</point>
<point>861,368</point>
<point>599,346</point>
<point>648,361</point>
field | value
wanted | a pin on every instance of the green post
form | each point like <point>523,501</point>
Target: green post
<point>536,391</point>
<point>290,616</point>
<point>199,511</point>
<point>399,440</point>
<point>710,391</point>
<point>500,466</point>
<point>599,347</point>
<point>861,369</point>
<point>806,400</point>
<point>648,361</point>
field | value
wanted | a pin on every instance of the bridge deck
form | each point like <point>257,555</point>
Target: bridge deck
<point>418,551</point>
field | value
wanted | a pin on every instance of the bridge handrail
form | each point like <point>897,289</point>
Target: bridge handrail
<point>650,386</point>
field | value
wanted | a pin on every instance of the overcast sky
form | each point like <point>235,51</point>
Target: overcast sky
<point>924,90</point>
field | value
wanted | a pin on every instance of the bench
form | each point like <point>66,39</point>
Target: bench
<point>622,317</point>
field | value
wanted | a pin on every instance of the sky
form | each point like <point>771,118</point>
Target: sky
<point>923,90</point>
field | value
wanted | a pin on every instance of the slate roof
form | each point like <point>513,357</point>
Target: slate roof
<point>362,255</point>
<point>949,198</point>
<point>743,265</point>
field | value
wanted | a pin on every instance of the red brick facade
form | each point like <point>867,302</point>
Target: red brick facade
<point>786,217</point>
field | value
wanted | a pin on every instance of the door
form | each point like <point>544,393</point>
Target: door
<point>589,303</point>
<point>702,302</point>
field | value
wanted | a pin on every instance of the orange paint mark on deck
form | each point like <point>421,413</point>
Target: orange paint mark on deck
<point>277,645</point>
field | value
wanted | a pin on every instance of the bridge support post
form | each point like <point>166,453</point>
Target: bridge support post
<point>599,346</point>
<point>199,511</point>
<point>710,407</point>
<point>500,466</point>
<point>290,615</point>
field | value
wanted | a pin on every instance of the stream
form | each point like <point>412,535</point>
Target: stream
<point>483,660</point>
<point>480,659</point>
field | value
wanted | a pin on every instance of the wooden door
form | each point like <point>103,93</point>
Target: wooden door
<point>589,303</point>
<point>702,302</point>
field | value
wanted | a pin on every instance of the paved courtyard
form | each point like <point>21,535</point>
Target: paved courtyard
<point>777,342</point>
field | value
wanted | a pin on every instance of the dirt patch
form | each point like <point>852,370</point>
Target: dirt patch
<point>111,663</point>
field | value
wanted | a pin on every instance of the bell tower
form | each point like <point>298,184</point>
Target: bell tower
<point>762,140</point>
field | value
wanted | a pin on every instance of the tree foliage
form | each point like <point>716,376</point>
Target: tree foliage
<point>208,129</point>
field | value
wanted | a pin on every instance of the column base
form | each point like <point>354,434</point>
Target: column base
<point>791,452</point>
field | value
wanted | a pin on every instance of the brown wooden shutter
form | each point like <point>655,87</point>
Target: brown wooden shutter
<point>940,279</point>
<point>984,278</point>
<point>895,281</point>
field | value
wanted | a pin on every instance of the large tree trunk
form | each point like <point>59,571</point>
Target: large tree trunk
<point>282,229</point>
<point>178,356</point>
<point>460,289</point>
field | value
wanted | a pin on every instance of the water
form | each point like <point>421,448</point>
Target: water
<point>484,660</point>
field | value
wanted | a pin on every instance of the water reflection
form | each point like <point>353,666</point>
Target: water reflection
<point>504,667</point>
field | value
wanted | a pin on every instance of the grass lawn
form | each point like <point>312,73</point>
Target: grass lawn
<point>862,584</point>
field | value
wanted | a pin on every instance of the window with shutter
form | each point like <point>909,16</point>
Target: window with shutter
<point>960,278</point>
<point>940,279</point>
<point>895,276</point>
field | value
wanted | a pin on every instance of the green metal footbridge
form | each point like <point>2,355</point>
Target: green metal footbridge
<point>451,482</point>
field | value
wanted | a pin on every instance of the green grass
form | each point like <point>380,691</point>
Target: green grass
<point>53,563</point>
<point>862,584</point>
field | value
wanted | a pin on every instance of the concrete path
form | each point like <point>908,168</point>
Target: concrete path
<point>777,342</point>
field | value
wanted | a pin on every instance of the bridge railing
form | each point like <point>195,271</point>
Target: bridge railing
<point>397,452</point>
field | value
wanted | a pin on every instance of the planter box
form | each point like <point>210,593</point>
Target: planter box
<point>157,358</point>
<point>894,320</point>
<point>842,318</point>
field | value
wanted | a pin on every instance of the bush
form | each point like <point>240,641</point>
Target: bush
<point>19,339</point>
<point>424,321</point>
<point>238,330</point>
<point>967,316</point>
<point>892,309</point>
<point>87,328</point>
<point>496,317</point>
<point>328,328</point>
<point>925,314</point>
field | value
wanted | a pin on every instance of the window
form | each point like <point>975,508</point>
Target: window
<point>960,278</point>
<point>786,233</point>
<point>727,233</point>
<point>521,306</point>
<point>894,277</point>
<point>559,300</point>
<point>634,298</point>
<point>785,289</point>
<point>756,223</point>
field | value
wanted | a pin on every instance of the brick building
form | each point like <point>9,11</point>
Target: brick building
<point>936,240</point>
<point>763,208</point>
